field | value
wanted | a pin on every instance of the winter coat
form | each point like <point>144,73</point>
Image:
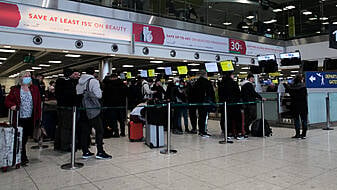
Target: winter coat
<point>13,99</point>
<point>65,92</point>
<point>204,92</point>
<point>229,91</point>
<point>248,92</point>
<point>114,93</point>
<point>94,85</point>
<point>158,95</point>
<point>299,103</point>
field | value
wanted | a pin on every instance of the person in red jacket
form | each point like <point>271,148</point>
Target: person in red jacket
<point>25,98</point>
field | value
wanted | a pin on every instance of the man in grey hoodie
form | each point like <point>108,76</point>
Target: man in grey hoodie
<point>96,122</point>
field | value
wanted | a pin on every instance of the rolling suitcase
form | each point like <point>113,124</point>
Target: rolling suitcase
<point>154,136</point>
<point>135,131</point>
<point>10,143</point>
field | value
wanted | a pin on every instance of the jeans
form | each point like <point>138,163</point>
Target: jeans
<point>304,121</point>
<point>202,120</point>
<point>178,113</point>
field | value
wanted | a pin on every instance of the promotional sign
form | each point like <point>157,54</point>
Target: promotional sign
<point>168,71</point>
<point>321,79</point>
<point>143,73</point>
<point>178,38</point>
<point>211,67</point>
<point>237,46</point>
<point>227,66</point>
<point>49,20</point>
<point>333,36</point>
<point>182,70</point>
<point>254,48</point>
<point>151,72</point>
<point>128,75</point>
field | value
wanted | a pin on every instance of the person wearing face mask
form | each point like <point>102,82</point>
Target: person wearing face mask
<point>25,98</point>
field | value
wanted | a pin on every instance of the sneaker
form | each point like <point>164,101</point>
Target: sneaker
<point>187,131</point>
<point>245,136</point>
<point>240,138</point>
<point>208,134</point>
<point>296,137</point>
<point>205,136</point>
<point>87,155</point>
<point>230,138</point>
<point>303,137</point>
<point>103,155</point>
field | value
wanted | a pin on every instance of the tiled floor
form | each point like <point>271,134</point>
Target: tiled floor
<point>274,163</point>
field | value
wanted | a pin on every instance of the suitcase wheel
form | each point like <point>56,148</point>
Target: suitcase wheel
<point>4,169</point>
<point>17,166</point>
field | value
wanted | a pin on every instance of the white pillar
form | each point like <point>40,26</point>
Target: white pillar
<point>104,68</point>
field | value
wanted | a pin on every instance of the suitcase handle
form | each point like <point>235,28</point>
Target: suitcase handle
<point>11,117</point>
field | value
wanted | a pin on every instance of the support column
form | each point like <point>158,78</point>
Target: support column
<point>104,68</point>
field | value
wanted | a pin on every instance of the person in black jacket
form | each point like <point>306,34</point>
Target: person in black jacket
<point>159,94</point>
<point>299,106</point>
<point>229,92</point>
<point>192,111</point>
<point>249,95</point>
<point>204,94</point>
<point>65,94</point>
<point>114,95</point>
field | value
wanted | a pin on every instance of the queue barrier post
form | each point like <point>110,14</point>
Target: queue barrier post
<point>73,165</point>
<point>327,105</point>
<point>226,126</point>
<point>168,151</point>
<point>263,122</point>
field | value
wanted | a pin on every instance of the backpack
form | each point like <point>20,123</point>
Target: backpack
<point>90,101</point>
<point>257,128</point>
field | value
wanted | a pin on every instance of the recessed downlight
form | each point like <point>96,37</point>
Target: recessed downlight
<point>44,65</point>
<point>7,50</point>
<point>3,58</point>
<point>307,12</point>
<point>193,64</point>
<point>30,70</point>
<point>7,46</point>
<point>37,68</point>
<point>227,23</point>
<point>156,61</point>
<point>128,66</point>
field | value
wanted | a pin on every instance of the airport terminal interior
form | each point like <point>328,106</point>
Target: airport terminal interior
<point>168,94</point>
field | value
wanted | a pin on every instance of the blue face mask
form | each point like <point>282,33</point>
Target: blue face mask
<point>26,80</point>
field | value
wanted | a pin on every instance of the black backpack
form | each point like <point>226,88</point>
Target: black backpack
<point>257,128</point>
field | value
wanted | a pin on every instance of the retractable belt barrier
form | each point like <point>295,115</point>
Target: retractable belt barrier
<point>169,105</point>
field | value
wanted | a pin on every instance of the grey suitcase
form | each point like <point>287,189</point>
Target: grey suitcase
<point>10,144</point>
<point>154,136</point>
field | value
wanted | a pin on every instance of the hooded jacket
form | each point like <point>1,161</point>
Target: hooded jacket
<point>248,92</point>
<point>229,91</point>
<point>94,85</point>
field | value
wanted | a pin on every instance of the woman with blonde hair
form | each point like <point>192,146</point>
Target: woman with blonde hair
<point>25,98</point>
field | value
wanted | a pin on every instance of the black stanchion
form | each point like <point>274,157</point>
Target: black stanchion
<point>73,165</point>
<point>327,105</point>
<point>168,150</point>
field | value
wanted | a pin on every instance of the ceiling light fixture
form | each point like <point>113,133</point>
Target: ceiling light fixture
<point>270,21</point>
<point>325,23</point>
<point>323,18</point>
<point>195,70</point>
<point>7,50</point>
<point>294,71</point>
<point>290,7</point>
<point>128,66</point>
<point>250,17</point>
<point>72,55</point>
<point>193,64</point>
<point>113,69</point>
<point>277,10</point>
<point>160,68</point>
<point>227,23</point>
<point>44,65</point>
<point>54,61</point>
<point>113,55</point>
<point>312,18</point>
<point>96,71</point>
<point>245,68</point>
<point>37,68</point>
<point>30,70</point>
<point>185,61</point>
<point>334,23</point>
<point>318,32</point>
<point>268,29</point>
<point>151,57</point>
<point>307,12</point>
<point>156,61</point>
<point>3,58</point>
<point>7,46</point>
<point>65,51</point>
<point>243,72</point>
<point>0,63</point>
<point>245,27</point>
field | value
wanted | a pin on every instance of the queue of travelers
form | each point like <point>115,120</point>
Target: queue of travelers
<point>113,94</point>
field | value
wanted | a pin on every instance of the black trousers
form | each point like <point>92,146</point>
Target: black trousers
<point>234,120</point>
<point>250,115</point>
<point>113,116</point>
<point>193,117</point>
<point>27,125</point>
<point>86,131</point>
<point>202,120</point>
<point>63,131</point>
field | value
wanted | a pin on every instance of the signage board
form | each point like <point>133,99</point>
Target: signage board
<point>321,79</point>
<point>211,67</point>
<point>168,71</point>
<point>237,46</point>
<point>182,70</point>
<point>333,36</point>
<point>227,66</point>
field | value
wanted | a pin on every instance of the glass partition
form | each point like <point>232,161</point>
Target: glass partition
<point>317,107</point>
<point>333,106</point>
<point>271,110</point>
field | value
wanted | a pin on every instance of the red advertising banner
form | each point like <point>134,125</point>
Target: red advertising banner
<point>9,15</point>
<point>237,46</point>
<point>148,34</point>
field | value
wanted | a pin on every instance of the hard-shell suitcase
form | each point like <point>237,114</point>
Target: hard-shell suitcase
<point>135,131</point>
<point>154,136</point>
<point>10,143</point>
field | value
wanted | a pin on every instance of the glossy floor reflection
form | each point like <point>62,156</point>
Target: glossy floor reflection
<point>274,163</point>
